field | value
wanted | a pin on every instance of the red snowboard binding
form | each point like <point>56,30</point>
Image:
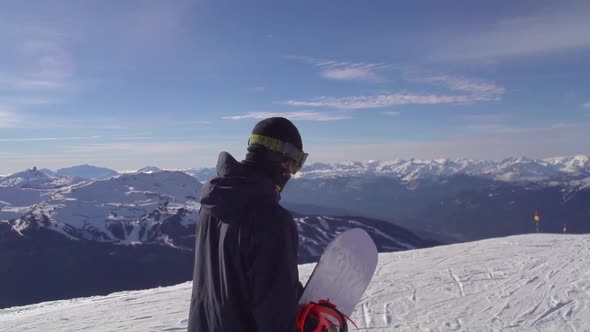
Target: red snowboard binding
<point>321,317</point>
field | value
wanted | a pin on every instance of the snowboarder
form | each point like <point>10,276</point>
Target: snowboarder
<point>245,276</point>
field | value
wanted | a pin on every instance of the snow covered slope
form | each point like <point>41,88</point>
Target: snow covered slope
<point>15,202</point>
<point>149,169</point>
<point>100,256</point>
<point>131,208</point>
<point>519,283</point>
<point>202,174</point>
<point>33,178</point>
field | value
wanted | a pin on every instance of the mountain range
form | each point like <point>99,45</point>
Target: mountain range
<point>127,232</point>
<point>547,171</point>
<point>93,236</point>
<point>458,200</point>
<point>426,196</point>
<point>558,169</point>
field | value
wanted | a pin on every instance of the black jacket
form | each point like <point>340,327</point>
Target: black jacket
<point>245,276</point>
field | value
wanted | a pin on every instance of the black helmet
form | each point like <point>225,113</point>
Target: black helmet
<point>280,136</point>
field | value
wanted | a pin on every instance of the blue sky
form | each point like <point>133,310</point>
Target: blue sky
<point>124,84</point>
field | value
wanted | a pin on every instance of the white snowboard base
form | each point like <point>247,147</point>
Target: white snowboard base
<point>344,271</point>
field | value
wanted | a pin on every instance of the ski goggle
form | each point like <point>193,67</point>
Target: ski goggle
<point>286,149</point>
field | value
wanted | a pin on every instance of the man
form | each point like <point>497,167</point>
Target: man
<point>246,276</point>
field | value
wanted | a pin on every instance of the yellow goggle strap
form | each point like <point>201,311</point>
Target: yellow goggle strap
<point>279,146</point>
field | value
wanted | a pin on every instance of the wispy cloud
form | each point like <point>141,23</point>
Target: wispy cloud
<point>392,113</point>
<point>508,129</point>
<point>351,74</point>
<point>300,115</point>
<point>45,139</point>
<point>8,119</point>
<point>545,31</point>
<point>44,60</point>
<point>392,99</point>
<point>35,101</point>
<point>55,64</point>
<point>119,122</point>
<point>586,104</point>
<point>473,90</point>
<point>134,148</point>
<point>49,122</point>
<point>343,70</point>
<point>29,82</point>
<point>35,68</point>
<point>465,84</point>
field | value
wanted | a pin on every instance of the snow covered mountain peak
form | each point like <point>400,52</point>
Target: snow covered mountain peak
<point>36,179</point>
<point>148,169</point>
<point>520,169</point>
<point>130,208</point>
<point>30,173</point>
<point>515,169</point>
<point>574,165</point>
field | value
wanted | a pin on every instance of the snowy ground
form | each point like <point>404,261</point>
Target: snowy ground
<point>520,283</point>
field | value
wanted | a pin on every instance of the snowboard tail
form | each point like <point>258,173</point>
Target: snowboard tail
<point>344,271</point>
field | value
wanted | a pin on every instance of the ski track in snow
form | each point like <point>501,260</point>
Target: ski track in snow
<point>537,282</point>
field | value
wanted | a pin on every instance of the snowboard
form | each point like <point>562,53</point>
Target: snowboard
<point>344,271</point>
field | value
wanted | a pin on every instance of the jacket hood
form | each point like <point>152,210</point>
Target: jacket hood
<point>235,186</point>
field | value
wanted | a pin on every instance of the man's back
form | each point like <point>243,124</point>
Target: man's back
<point>245,276</point>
